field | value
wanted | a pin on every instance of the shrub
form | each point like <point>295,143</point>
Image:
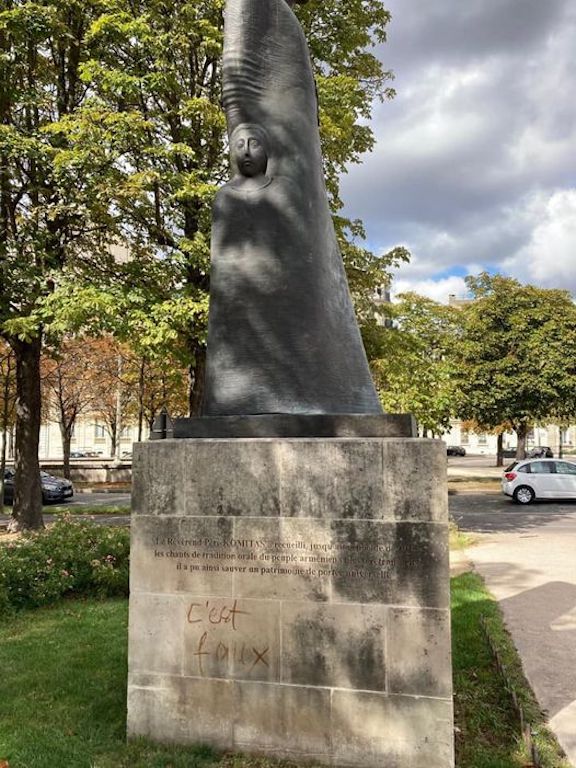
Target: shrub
<point>69,558</point>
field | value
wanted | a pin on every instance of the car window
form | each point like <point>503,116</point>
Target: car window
<point>565,468</point>
<point>542,467</point>
<point>511,467</point>
<point>524,468</point>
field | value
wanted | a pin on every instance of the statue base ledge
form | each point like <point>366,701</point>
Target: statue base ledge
<point>286,425</point>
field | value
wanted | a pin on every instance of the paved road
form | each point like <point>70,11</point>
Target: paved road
<point>97,499</point>
<point>494,512</point>
<point>527,556</point>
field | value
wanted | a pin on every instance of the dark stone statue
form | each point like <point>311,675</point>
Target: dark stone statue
<point>282,335</point>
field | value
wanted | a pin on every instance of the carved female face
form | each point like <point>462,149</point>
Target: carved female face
<point>248,150</point>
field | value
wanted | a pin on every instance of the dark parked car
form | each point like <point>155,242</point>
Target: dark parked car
<point>53,488</point>
<point>540,452</point>
<point>455,450</point>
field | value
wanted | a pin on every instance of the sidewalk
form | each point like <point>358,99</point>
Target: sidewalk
<point>533,577</point>
<point>473,474</point>
<point>475,467</point>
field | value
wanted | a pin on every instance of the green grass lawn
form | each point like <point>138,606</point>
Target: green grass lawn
<point>63,692</point>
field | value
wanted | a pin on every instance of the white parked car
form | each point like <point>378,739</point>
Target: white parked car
<point>530,479</point>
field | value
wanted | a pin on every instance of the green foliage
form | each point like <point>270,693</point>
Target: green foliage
<point>53,195</point>
<point>69,558</point>
<point>414,368</point>
<point>517,354</point>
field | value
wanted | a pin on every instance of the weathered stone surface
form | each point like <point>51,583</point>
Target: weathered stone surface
<point>168,709</point>
<point>418,644</point>
<point>166,555</point>
<point>371,478</point>
<point>252,487</point>
<point>162,472</point>
<point>411,487</point>
<point>326,479</point>
<point>371,729</point>
<point>289,600</point>
<point>334,645</point>
<point>156,620</point>
<point>287,721</point>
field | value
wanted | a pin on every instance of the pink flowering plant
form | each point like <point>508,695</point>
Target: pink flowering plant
<point>70,558</point>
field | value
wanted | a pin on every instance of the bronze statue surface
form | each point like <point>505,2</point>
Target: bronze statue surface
<point>282,335</point>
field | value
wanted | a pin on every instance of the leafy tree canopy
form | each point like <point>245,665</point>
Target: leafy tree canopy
<point>517,355</point>
<point>415,371</point>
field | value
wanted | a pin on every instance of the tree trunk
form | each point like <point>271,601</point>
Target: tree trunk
<point>113,432</point>
<point>141,382</point>
<point>4,426</point>
<point>197,372</point>
<point>521,432</point>
<point>66,435</point>
<point>117,450</point>
<point>27,510</point>
<point>500,450</point>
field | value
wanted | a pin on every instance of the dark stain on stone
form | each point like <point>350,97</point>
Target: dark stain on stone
<point>313,641</point>
<point>365,663</point>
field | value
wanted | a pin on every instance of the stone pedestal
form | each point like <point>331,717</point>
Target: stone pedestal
<point>291,597</point>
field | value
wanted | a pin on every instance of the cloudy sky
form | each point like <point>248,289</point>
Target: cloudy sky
<point>475,163</point>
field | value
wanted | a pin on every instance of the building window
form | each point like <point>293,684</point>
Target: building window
<point>482,439</point>
<point>99,432</point>
<point>464,437</point>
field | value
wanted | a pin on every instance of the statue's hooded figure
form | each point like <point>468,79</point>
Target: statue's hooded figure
<point>282,335</point>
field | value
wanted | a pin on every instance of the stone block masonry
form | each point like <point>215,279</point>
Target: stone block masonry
<point>291,597</point>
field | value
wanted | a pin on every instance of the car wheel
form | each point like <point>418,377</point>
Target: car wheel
<point>524,495</point>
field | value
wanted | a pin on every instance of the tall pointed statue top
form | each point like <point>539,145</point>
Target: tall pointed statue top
<point>268,80</point>
<point>282,335</point>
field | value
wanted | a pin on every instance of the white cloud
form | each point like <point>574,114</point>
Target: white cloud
<point>475,165</point>
<point>438,290</point>
<point>549,258</point>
